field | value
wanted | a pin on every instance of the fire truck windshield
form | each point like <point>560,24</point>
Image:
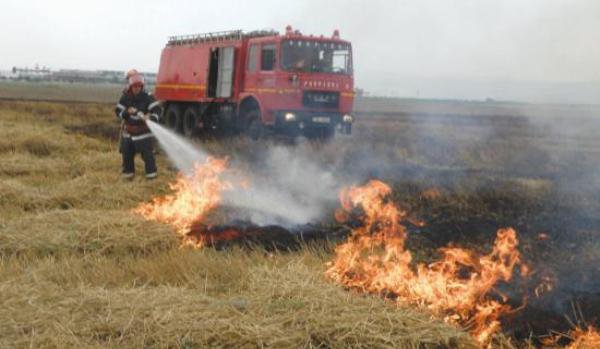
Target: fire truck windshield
<point>316,56</point>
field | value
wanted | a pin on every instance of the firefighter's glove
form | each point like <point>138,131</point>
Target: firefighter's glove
<point>132,111</point>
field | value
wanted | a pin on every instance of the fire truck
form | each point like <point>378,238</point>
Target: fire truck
<point>258,82</point>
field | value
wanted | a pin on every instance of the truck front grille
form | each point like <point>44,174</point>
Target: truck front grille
<point>321,99</point>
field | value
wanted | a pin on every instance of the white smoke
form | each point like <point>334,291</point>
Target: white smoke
<point>291,189</point>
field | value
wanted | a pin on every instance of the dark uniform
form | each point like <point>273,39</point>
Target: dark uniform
<point>135,134</point>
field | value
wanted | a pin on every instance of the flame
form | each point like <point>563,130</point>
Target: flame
<point>580,338</point>
<point>457,288</point>
<point>584,339</point>
<point>194,196</point>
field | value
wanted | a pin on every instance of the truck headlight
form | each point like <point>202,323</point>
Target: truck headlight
<point>348,118</point>
<point>290,117</point>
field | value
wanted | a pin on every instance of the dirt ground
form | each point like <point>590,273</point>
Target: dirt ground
<point>78,269</point>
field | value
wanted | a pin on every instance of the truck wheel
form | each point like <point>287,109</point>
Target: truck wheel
<point>190,120</point>
<point>321,134</point>
<point>255,128</point>
<point>173,118</point>
<point>328,134</point>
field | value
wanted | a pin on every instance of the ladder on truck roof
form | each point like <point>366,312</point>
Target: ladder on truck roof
<point>228,35</point>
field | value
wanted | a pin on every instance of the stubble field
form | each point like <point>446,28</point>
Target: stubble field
<point>79,269</point>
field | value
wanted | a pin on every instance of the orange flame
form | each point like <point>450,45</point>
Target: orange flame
<point>194,196</point>
<point>584,339</point>
<point>580,338</point>
<point>456,288</point>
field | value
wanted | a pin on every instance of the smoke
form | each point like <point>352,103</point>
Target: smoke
<point>530,167</point>
<point>288,188</point>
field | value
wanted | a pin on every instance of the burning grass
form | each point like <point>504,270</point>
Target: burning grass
<point>457,287</point>
<point>584,338</point>
<point>79,269</point>
<point>193,197</point>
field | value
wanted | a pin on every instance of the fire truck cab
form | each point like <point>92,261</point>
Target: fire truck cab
<point>257,82</point>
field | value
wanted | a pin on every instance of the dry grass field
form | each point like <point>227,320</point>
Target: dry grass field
<point>78,269</point>
<point>107,93</point>
<point>78,92</point>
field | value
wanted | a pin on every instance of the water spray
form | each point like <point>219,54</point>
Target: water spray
<point>180,151</point>
<point>278,199</point>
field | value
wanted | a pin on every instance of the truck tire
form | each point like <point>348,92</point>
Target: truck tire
<point>328,134</point>
<point>324,134</point>
<point>190,121</point>
<point>173,118</point>
<point>255,128</point>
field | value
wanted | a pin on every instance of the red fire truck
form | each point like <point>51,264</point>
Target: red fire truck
<point>257,82</point>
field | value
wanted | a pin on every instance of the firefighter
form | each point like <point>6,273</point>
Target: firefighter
<point>135,107</point>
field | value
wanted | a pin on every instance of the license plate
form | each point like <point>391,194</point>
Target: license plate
<point>321,119</point>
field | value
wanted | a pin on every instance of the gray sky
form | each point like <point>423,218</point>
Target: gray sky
<point>400,47</point>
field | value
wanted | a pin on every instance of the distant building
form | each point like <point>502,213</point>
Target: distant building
<point>87,76</point>
<point>7,74</point>
<point>35,73</point>
<point>73,75</point>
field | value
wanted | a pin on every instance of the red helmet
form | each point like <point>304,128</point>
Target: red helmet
<point>136,79</point>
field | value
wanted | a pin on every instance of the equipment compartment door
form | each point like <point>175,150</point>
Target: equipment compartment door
<point>225,77</point>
